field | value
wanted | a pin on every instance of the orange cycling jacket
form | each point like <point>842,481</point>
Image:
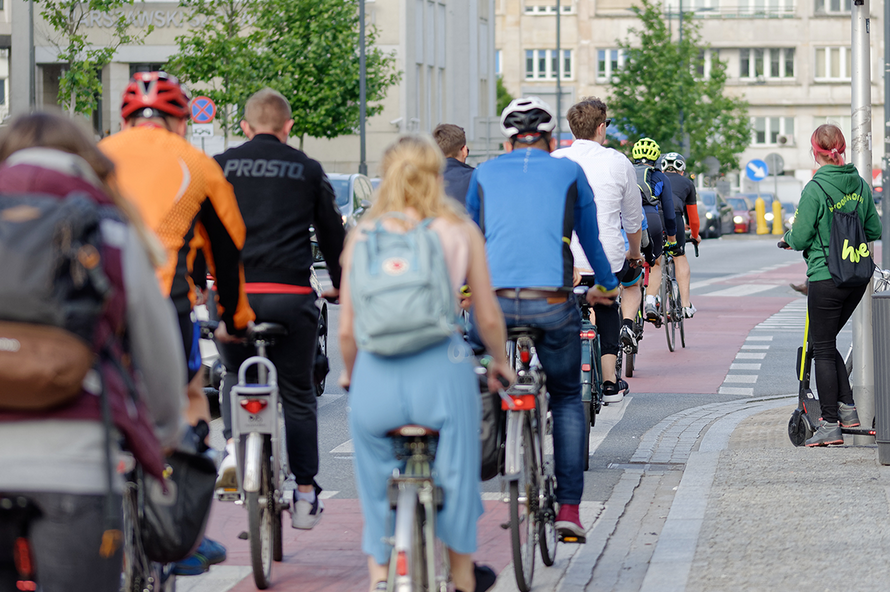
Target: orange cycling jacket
<point>184,197</point>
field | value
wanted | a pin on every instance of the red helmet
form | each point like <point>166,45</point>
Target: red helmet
<point>157,92</point>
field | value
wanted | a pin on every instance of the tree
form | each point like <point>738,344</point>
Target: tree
<point>503,96</point>
<point>311,56</point>
<point>221,51</point>
<point>80,83</point>
<point>662,78</point>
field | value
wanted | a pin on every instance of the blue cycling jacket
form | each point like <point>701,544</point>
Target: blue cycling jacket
<point>527,203</point>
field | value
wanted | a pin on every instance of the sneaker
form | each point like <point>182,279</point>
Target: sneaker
<point>651,312</point>
<point>848,416</point>
<point>226,475</point>
<point>381,585</point>
<point>208,553</point>
<point>828,433</point>
<point>690,310</point>
<point>305,515</point>
<point>627,338</point>
<point>568,524</point>
<point>614,393</point>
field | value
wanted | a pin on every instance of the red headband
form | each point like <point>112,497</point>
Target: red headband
<point>832,153</point>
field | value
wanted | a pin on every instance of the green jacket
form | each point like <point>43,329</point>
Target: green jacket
<point>849,192</point>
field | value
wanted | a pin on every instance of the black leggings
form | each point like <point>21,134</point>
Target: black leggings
<point>656,226</point>
<point>829,309</point>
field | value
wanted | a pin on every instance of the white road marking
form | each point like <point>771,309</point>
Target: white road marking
<point>345,448</point>
<point>744,366</point>
<point>744,378</point>
<point>755,347</point>
<point>607,419</point>
<point>742,290</point>
<point>759,338</point>
<point>731,390</point>
<point>750,356</point>
<point>327,494</point>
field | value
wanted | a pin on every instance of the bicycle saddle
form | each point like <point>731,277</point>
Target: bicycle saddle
<point>268,330</point>
<point>514,333</point>
<point>412,431</point>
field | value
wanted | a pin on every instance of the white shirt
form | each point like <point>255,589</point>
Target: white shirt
<point>615,191</point>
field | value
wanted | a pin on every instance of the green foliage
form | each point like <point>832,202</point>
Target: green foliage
<point>659,82</point>
<point>312,57</point>
<point>220,52</point>
<point>306,49</point>
<point>80,83</point>
<point>503,96</point>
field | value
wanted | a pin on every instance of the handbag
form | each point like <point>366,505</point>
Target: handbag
<point>176,510</point>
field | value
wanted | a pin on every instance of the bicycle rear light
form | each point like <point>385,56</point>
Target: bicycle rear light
<point>525,356</point>
<point>585,367</point>
<point>591,334</point>
<point>402,563</point>
<point>520,402</point>
<point>254,406</point>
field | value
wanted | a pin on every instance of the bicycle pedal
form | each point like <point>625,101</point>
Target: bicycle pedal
<point>572,539</point>
<point>227,495</point>
<point>505,525</point>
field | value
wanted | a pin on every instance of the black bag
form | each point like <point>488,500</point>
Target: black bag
<point>490,435</point>
<point>643,177</point>
<point>849,259</point>
<point>174,521</point>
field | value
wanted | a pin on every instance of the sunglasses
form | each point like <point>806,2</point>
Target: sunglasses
<point>608,122</point>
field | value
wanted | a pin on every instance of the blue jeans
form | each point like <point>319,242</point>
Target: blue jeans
<point>560,353</point>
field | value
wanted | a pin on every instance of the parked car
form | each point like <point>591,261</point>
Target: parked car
<point>714,214</point>
<point>788,210</point>
<point>375,182</point>
<point>768,199</point>
<point>742,213</point>
<point>353,196</point>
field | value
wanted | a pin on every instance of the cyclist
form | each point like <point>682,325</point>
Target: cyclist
<point>527,204</point>
<point>654,186</point>
<point>685,206</point>
<point>278,210</point>
<point>617,197</point>
<point>184,197</point>
<point>57,458</point>
<point>434,387</point>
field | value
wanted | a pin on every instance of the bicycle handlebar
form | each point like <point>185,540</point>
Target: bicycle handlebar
<point>783,245</point>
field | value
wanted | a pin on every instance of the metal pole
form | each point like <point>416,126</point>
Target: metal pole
<point>683,148</point>
<point>885,178</point>
<point>558,79</point>
<point>32,63</point>
<point>863,376</point>
<point>362,81</point>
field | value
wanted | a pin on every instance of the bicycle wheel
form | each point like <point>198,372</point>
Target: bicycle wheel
<point>409,573</point>
<point>678,307</point>
<point>547,535</point>
<point>666,310</point>
<point>140,574</point>
<point>260,520</point>
<point>523,512</point>
<point>321,350</point>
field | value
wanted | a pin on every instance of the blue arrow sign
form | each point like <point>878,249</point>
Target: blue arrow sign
<point>757,170</point>
<point>203,110</point>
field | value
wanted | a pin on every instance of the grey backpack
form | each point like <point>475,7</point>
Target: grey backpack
<point>401,292</point>
<point>643,182</point>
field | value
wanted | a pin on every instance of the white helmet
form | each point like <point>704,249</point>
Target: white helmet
<point>527,116</point>
<point>673,160</point>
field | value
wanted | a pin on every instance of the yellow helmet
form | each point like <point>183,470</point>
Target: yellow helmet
<point>646,148</point>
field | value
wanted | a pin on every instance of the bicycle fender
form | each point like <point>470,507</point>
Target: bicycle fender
<point>513,450</point>
<point>253,462</point>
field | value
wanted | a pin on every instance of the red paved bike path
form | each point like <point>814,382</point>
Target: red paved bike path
<point>329,558</point>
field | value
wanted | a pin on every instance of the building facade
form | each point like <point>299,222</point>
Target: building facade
<point>790,59</point>
<point>444,50</point>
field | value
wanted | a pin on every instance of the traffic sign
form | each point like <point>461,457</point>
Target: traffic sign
<point>775,162</point>
<point>757,170</point>
<point>202,130</point>
<point>203,110</point>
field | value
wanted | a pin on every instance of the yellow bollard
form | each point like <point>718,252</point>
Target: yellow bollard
<point>760,210</point>
<point>778,218</point>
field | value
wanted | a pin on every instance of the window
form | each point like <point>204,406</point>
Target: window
<point>768,63</point>
<point>772,130</point>
<point>832,6</point>
<point>565,7</point>
<point>707,59</point>
<point>499,63</point>
<point>608,63</point>
<point>769,8</point>
<point>2,91</point>
<point>542,64</point>
<point>833,63</point>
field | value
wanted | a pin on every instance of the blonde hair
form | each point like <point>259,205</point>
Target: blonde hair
<point>53,130</point>
<point>412,178</point>
<point>267,108</point>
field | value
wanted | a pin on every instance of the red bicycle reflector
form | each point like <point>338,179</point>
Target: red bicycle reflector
<point>525,356</point>
<point>402,563</point>
<point>254,406</point>
<point>520,402</point>
<point>21,553</point>
<point>585,367</point>
<point>588,334</point>
<point>26,586</point>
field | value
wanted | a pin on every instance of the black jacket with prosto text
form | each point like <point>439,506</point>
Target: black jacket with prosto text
<point>281,192</point>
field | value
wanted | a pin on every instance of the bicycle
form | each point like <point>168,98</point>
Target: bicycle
<point>530,476</point>
<point>671,305</point>
<point>630,352</point>
<point>261,457</point>
<point>419,560</point>
<point>591,369</point>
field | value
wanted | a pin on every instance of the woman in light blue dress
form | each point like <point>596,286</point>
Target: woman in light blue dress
<point>435,387</point>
